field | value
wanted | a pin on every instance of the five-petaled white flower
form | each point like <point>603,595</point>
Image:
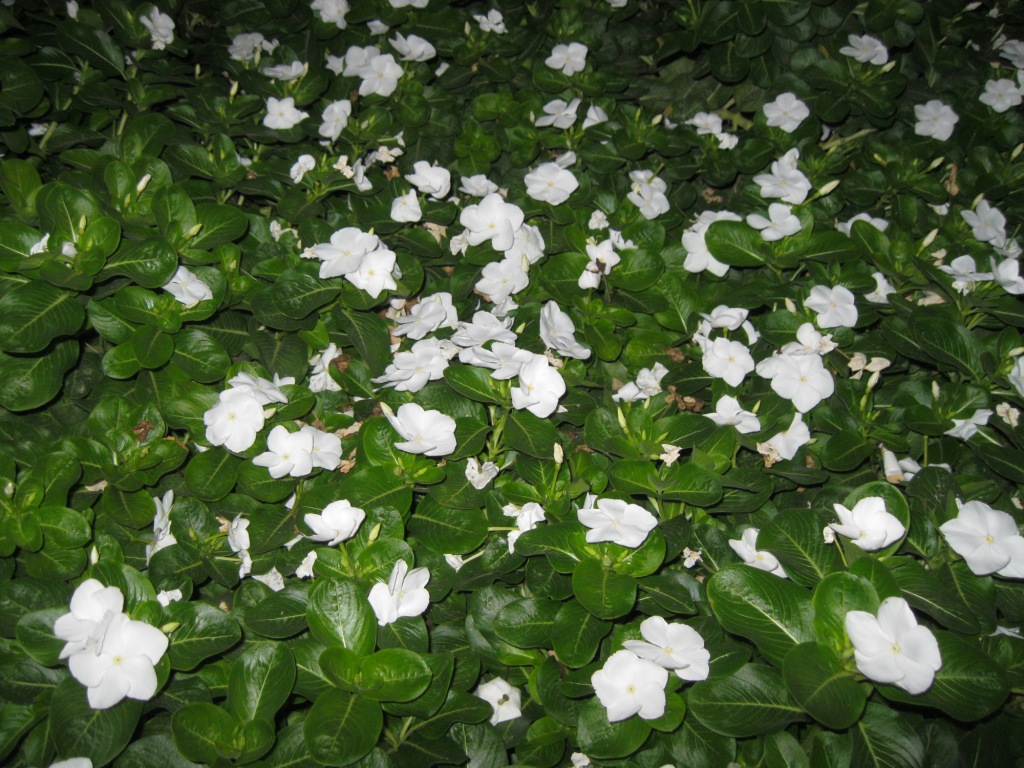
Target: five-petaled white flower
<point>335,118</point>
<point>894,648</point>
<point>405,594</point>
<point>187,288</point>
<point>160,26</point>
<point>988,224</point>
<point>935,119</point>
<point>728,412</point>
<point>288,453</point>
<point>728,360</point>
<point>540,387</point>
<point>337,522</point>
<point>492,22</point>
<point>866,49</point>
<point>430,179</point>
<point>571,58</point>
<point>559,114</point>
<point>234,421</point>
<point>504,699</point>
<point>987,539</point>
<point>406,207</point>
<point>282,114</point>
<point>413,47</point>
<point>835,306</point>
<point>92,607</point>
<point>869,524</point>
<point>784,445</point>
<point>380,75</point>
<point>967,428</point>
<point>674,646</point>
<point>786,112</point>
<point>492,219</point>
<point>550,183</point>
<point>616,521</point>
<point>431,433</point>
<point>746,548</point>
<point>627,685</point>
<point>781,222</point>
<point>1002,94</point>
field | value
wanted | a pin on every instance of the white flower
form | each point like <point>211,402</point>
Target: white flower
<point>305,569</point>
<point>92,607</point>
<point>238,535</point>
<point>965,273</point>
<point>559,114</point>
<point>894,648</point>
<point>526,517</point>
<point>598,220</point>
<point>320,378</point>
<point>302,165</point>
<point>578,760</point>
<point>1007,274</point>
<point>431,433</point>
<point>627,685</point>
<point>411,370</point>
<point>670,457</point>
<point>698,257</point>
<point>431,313</point>
<point>234,421</point>
<point>868,525</point>
<point>706,123</point>
<point>882,290</point>
<point>337,522</point>
<point>187,288</point>
<point>288,453</point>
<point>935,119</point>
<point>988,224</point>
<point>404,594</point>
<point>72,9</point>
<point>485,327</point>
<point>167,596</point>
<point>1016,376</point>
<point>1013,51</point>
<point>380,76</point>
<point>569,58</point>
<point>455,562</point>
<point>326,451</point>
<point>647,384</point>
<point>505,360</point>
<point>746,548</point>
<point>332,11</point>
<point>528,243</point>
<point>786,443</point>
<point>727,360</point>
<point>801,379</point>
<point>1009,415</point>
<point>847,227</point>
<point>122,663</point>
<point>504,699</point>
<point>477,185</point>
<point>264,390</point>
<point>357,60</point>
<point>501,279</point>
<point>785,181</point>
<point>413,47</point>
<point>987,539</point>
<point>282,114</point>
<point>550,183</point>
<point>602,258</point>
<point>161,29</point>
<point>786,112</point>
<point>616,521</point>
<point>811,341</point>
<point>272,578</point>
<point>430,179</point>
<point>410,3</point>
<point>647,192</point>
<point>480,476</point>
<point>729,412</point>
<point>967,428</point>
<point>375,273</point>
<point>1001,95</point>
<point>781,222</point>
<point>335,118</point>
<point>595,116</point>
<point>492,22</point>
<point>835,306</point>
<point>162,536</point>
<point>540,387</point>
<point>866,50</point>
<point>345,252</point>
<point>406,207</point>
<point>673,646</point>
<point>557,331</point>
<point>286,72</point>
<point>492,219</point>
<point>246,45</point>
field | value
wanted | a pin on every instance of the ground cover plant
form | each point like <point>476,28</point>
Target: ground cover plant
<point>593,382</point>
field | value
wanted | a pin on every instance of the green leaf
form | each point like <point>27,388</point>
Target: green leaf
<point>342,727</point>
<point>751,701</point>
<point>338,612</point>
<point>260,681</point>
<point>32,315</point>
<point>532,435</point>
<point>447,531</point>
<point>816,677</point>
<point>93,45</point>
<point>203,632</point>
<point>35,634</point>
<point>772,612</point>
<point>924,591</point>
<point>29,382</point>
<point>883,739</point>
<point>200,355</point>
<point>212,474</point>
<point>691,484</point>
<point>99,734</point>
<point>837,595</point>
<point>969,686</point>
<point>737,244</point>
<point>577,634</point>
<point>527,623</point>
<point>949,343</point>
<point>278,616</point>
<point>150,263</point>
<point>205,733</point>
<point>151,346</point>
<point>795,538</point>
<point>695,746</point>
<point>394,674</point>
<point>606,594</point>
<point>20,182</point>
<point>603,740</point>
<point>220,224</point>
<point>369,334</point>
<point>472,382</point>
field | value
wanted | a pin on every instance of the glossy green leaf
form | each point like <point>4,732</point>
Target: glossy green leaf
<point>749,702</point>
<point>99,734</point>
<point>338,612</point>
<point>32,381</point>
<point>203,631</point>
<point>816,678</point>
<point>606,594</point>
<point>342,727</point>
<point>32,315</point>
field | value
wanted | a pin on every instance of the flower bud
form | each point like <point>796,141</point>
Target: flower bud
<point>559,454</point>
<point>891,467</point>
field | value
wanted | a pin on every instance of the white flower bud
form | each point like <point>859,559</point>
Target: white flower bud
<point>891,467</point>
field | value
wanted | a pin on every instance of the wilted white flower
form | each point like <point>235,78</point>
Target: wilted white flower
<point>337,522</point>
<point>430,179</point>
<point>967,428</point>
<point>480,476</point>
<point>413,47</point>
